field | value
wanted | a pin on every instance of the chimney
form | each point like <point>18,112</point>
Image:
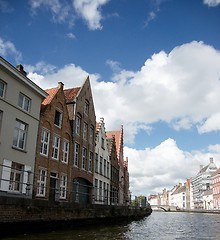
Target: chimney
<point>60,85</point>
<point>211,159</point>
<point>20,68</point>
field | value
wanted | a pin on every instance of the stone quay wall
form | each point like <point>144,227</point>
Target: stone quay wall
<point>28,215</point>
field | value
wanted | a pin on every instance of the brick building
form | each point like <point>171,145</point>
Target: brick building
<point>54,149</point>
<point>113,158</point>
<point>83,122</point>
<point>216,189</point>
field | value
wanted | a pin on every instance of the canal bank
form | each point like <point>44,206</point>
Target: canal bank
<point>19,215</point>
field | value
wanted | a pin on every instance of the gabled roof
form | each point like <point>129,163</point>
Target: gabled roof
<point>71,93</point>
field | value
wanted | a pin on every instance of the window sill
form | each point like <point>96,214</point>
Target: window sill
<point>21,150</point>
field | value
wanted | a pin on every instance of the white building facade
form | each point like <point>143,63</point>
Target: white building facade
<point>102,167</point>
<point>20,101</point>
<point>202,182</point>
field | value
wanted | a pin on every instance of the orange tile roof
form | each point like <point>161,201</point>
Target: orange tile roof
<point>51,93</point>
<point>71,93</point>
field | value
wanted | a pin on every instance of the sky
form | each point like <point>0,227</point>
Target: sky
<point>154,67</point>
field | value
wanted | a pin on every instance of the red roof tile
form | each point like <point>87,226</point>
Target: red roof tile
<point>52,92</point>
<point>71,93</point>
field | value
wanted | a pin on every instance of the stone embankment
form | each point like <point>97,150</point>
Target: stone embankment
<point>18,215</point>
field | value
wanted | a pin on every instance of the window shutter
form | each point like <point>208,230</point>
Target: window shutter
<point>6,172</point>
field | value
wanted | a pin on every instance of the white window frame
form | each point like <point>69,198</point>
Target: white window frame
<point>84,155</point>
<point>41,183</point>
<point>56,147</point>
<point>60,118</point>
<point>16,177</point>
<point>63,186</point>
<point>18,132</point>
<point>65,150</point>
<point>3,90</point>
<point>45,142</point>
<point>24,102</point>
<point>78,123</point>
<point>85,130</point>
<point>76,154</point>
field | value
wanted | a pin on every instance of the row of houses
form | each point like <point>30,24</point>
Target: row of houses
<point>51,146</point>
<point>199,192</point>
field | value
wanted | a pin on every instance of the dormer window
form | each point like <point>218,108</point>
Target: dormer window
<point>24,102</point>
<point>58,118</point>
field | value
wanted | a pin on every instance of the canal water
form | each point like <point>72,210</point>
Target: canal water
<point>158,226</point>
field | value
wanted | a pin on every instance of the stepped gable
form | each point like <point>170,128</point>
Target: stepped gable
<point>118,139</point>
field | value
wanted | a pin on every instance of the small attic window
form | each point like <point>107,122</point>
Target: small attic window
<point>58,118</point>
<point>86,107</point>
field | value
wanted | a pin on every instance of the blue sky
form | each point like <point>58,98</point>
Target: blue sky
<point>154,67</point>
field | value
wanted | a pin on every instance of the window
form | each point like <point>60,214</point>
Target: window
<point>84,152</point>
<point>41,182</point>
<point>90,161</point>
<point>105,168</point>
<point>96,189</point>
<point>20,135</point>
<point>15,183</point>
<point>86,107</point>
<point>65,151</point>
<point>44,144</point>
<point>91,134</point>
<point>78,122</point>
<point>85,130</point>
<point>58,118</point>
<point>103,143</point>
<point>24,102</point>
<point>96,162</point>
<point>2,89</point>
<point>100,190</point>
<point>76,154</point>
<point>100,166</point>
<point>63,186</point>
<point>56,147</point>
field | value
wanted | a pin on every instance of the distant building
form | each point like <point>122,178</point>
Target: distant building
<point>202,182</point>
<point>102,170</point>
<point>20,101</point>
<point>216,189</point>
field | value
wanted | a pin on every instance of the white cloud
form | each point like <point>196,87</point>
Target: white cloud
<point>71,35</point>
<point>211,3</point>
<point>61,11</point>
<point>7,48</point>
<point>164,166</point>
<point>89,10</point>
<point>211,124</point>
